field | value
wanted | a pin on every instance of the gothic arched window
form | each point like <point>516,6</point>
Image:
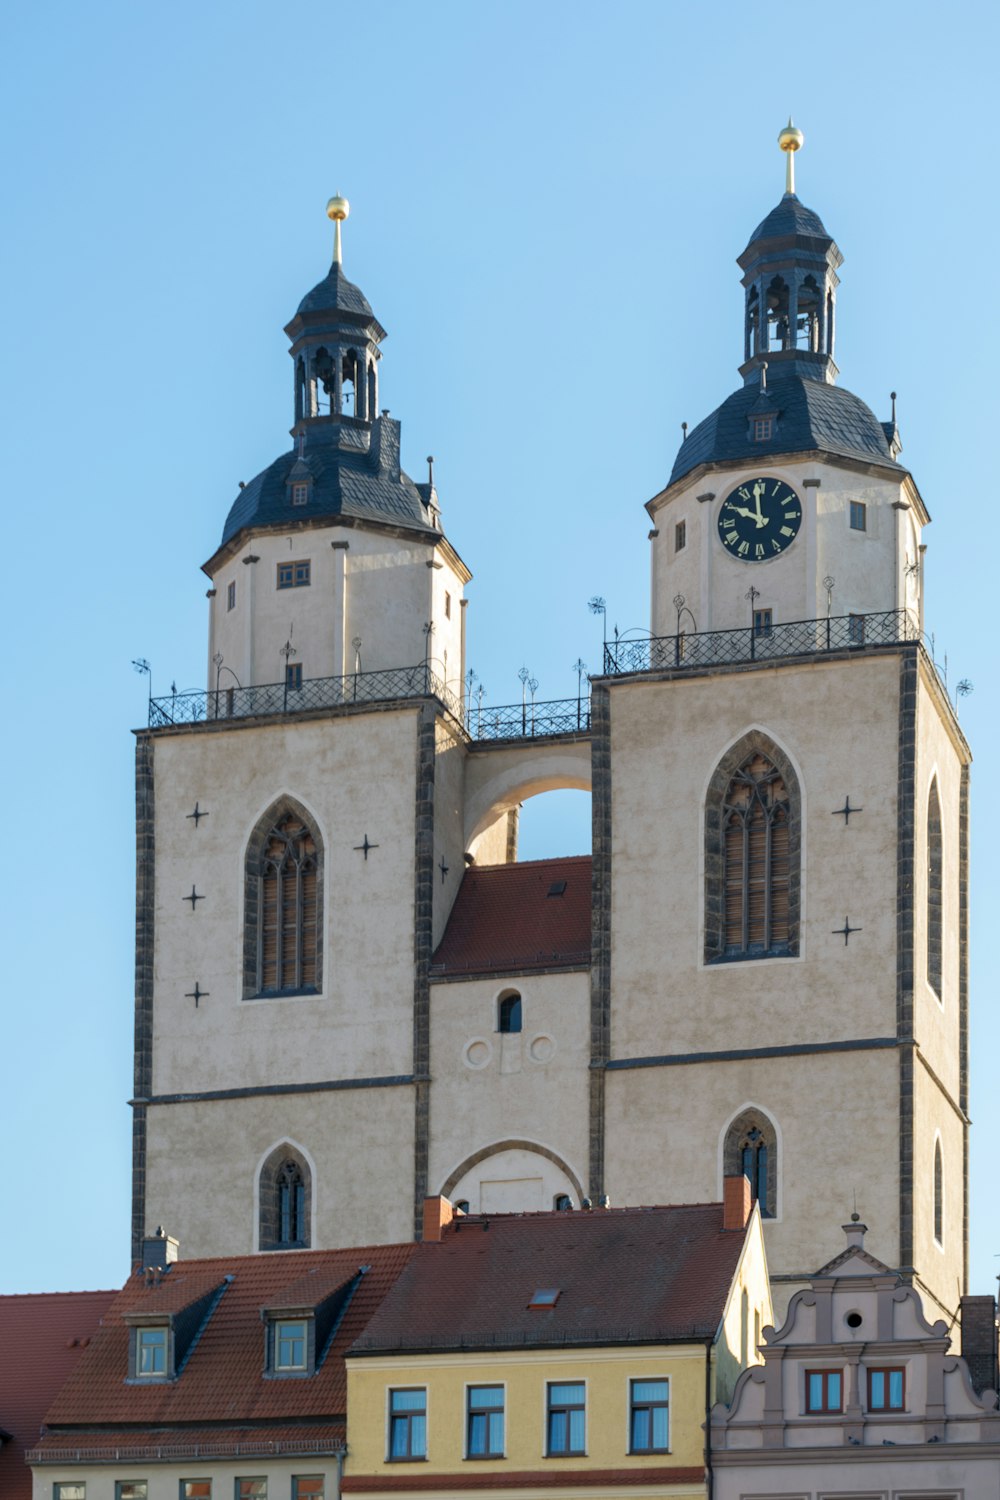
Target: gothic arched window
<point>751,1148</point>
<point>935,888</point>
<point>752,855</point>
<point>938,1193</point>
<point>285,1201</point>
<point>282,933</point>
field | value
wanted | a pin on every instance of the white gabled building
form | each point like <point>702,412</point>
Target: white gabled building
<point>860,1395</point>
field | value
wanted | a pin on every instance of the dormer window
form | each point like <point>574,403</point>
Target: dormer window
<point>763,429</point>
<point>291,1345</point>
<point>300,494</point>
<point>151,1351</point>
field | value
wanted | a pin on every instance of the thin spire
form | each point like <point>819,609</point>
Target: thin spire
<point>790,140</point>
<point>337,209</point>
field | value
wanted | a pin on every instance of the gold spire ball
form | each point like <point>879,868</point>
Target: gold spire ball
<point>790,140</point>
<point>337,209</point>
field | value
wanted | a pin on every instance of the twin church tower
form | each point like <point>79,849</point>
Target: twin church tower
<point>350,994</point>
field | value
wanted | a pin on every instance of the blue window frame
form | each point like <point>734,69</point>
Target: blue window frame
<point>649,1407</point>
<point>566,1423</point>
<point>151,1352</point>
<point>407,1424</point>
<point>291,1345</point>
<point>485,1422</point>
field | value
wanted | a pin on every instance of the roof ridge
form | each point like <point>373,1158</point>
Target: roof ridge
<point>523,864</point>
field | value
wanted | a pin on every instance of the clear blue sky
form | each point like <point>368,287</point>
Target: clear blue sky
<point>547,200</point>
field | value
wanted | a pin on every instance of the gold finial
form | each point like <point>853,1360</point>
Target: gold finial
<point>790,140</point>
<point>337,209</point>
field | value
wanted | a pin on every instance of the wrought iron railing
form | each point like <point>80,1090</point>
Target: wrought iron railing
<point>313,692</point>
<point>710,648</point>
<point>520,721</point>
<point>525,720</point>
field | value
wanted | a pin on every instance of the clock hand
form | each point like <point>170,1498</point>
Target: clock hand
<point>741,510</point>
<point>758,490</point>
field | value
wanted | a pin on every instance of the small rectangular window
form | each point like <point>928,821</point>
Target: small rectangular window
<point>74,1490</point>
<point>856,629</point>
<point>859,516</point>
<point>231,595</point>
<point>131,1489</point>
<point>195,1489</point>
<point>484,1426</point>
<point>293,675</point>
<point>648,1426</point>
<point>308,1487</point>
<point>680,536</point>
<point>447,605</point>
<point>291,1340</point>
<point>250,1489</point>
<point>407,1424</point>
<point>294,575</point>
<point>300,494</point>
<point>151,1352</point>
<point>887,1389</point>
<point>762,621</point>
<point>566,1419</point>
<point>823,1390</point>
<point>763,428</point>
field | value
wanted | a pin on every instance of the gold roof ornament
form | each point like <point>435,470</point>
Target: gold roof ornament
<point>790,140</point>
<point>337,209</point>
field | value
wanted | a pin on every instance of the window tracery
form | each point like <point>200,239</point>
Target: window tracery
<point>751,1148</point>
<point>285,1200</point>
<point>752,855</point>
<point>283,895</point>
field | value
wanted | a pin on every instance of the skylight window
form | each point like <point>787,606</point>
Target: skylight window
<point>545,1297</point>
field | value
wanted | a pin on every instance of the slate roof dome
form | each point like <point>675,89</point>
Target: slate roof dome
<point>335,292</point>
<point>810,415</point>
<point>789,217</point>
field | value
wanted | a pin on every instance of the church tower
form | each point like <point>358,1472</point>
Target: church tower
<point>785,815</point>
<point>349,993</point>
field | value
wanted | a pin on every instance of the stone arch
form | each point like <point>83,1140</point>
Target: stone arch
<point>498,1149</point>
<point>312,923</point>
<point>754,744</point>
<point>737,1142</point>
<point>285,1171</point>
<point>499,780</point>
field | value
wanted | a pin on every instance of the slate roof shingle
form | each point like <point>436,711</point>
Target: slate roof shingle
<point>653,1275</point>
<point>504,921</point>
<point>41,1339</point>
<point>789,217</point>
<point>335,291</point>
<point>811,415</point>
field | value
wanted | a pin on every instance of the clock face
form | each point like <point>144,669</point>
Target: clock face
<point>759,519</point>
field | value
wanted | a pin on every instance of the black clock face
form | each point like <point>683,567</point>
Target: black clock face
<point>759,519</point>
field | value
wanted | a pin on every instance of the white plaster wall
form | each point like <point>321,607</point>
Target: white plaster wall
<point>163,1480</point>
<point>836,1119</point>
<point>355,776</point>
<point>869,566</point>
<point>203,1160</point>
<point>941,1267</point>
<point>532,1085</point>
<point>667,739</point>
<point>392,588</point>
<point>940,754</point>
<point>974,1476</point>
<point>449,842</point>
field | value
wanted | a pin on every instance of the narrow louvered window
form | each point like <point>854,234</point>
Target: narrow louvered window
<point>288,909</point>
<point>935,888</point>
<point>756,860</point>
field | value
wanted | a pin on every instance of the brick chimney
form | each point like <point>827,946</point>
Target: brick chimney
<point>979,1342</point>
<point>438,1214</point>
<point>736,1202</point>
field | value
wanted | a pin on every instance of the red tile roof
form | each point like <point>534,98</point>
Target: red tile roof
<point>505,921</point>
<point>223,1378</point>
<point>122,1444</point>
<point>623,1275</point>
<point>41,1339</point>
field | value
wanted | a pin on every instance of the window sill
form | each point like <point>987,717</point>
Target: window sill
<point>410,1459</point>
<point>648,1452</point>
<point>282,994</point>
<point>577,1453</point>
<point>480,1458</point>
